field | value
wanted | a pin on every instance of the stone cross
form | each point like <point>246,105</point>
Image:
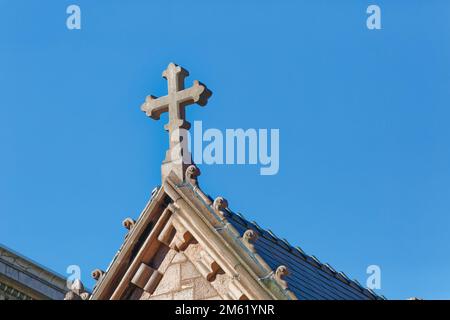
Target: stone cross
<point>174,103</point>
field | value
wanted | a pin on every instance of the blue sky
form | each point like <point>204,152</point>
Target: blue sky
<point>363,116</point>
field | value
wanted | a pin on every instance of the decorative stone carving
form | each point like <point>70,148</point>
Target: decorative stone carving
<point>97,274</point>
<point>167,233</point>
<point>143,275</point>
<point>128,223</point>
<point>182,240</point>
<point>174,103</point>
<point>219,205</point>
<point>77,291</point>
<point>249,237</point>
<point>182,236</point>
<point>279,275</point>
<point>85,296</point>
<point>208,267</point>
<point>192,172</point>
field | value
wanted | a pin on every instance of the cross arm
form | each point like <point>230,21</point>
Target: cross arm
<point>154,107</point>
<point>198,93</point>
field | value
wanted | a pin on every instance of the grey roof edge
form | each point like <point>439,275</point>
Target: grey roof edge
<point>33,262</point>
<point>155,191</point>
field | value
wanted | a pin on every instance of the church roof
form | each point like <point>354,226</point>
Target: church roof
<point>308,278</point>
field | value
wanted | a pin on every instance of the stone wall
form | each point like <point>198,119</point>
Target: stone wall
<point>182,279</point>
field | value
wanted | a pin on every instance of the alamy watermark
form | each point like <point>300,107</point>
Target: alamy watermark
<point>234,146</point>
<point>74,273</point>
<point>373,22</point>
<point>374,279</point>
<point>73,21</point>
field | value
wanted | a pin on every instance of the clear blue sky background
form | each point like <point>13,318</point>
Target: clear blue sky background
<point>363,116</point>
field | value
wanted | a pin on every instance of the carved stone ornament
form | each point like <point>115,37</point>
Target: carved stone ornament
<point>97,274</point>
<point>280,274</point>
<point>174,103</point>
<point>249,237</point>
<point>208,267</point>
<point>77,291</point>
<point>219,205</point>
<point>128,223</point>
<point>192,172</point>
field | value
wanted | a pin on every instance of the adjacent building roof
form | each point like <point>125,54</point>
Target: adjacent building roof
<point>23,279</point>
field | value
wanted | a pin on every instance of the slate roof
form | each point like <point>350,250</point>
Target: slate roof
<point>308,278</point>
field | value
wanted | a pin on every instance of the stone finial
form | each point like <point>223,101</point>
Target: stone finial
<point>280,274</point>
<point>85,296</point>
<point>174,103</point>
<point>77,286</point>
<point>77,291</point>
<point>220,204</point>
<point>97,274</point>
<point>70,295</point>
<point>249,237</point>
<point>192,172</point>
<point>128,223</point>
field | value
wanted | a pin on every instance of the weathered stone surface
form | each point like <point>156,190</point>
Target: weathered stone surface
<point>179,257</point>
<point>188,271</point>
<point>186,294</point>
<point>167,296</point>
<point>203,289</point>
<point>193,251</point>
<point>162,259</point>
<point>145,296</point>
<point>182,280</point>
<point>221,284</point>
<point>187,283</point>
<point>170,281</point>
